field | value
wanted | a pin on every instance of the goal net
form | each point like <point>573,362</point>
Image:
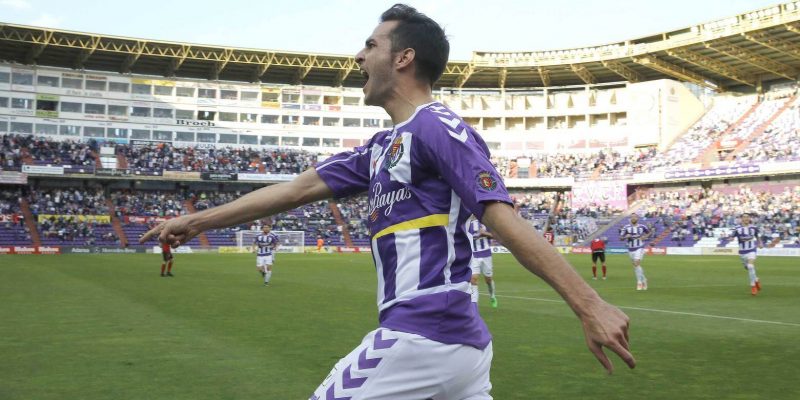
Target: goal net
<point>290,241</point>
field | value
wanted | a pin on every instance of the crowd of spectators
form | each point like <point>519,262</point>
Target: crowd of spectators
<point>148,203</point>
<point>603,164</point>
<point>11,151</point>
<point>164,156</point>
<point>692,215</point>
<point>68,202</point>
<point>66,152</point>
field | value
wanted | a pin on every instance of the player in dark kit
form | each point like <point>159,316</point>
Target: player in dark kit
<point>166,253</point>
<point>598,252</point>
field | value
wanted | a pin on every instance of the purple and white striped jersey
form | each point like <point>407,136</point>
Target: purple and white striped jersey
<point>747,237</point>
<point>424,179</point>
<point>266,243</point>
<point>634,235</point>
<point>480,244</point>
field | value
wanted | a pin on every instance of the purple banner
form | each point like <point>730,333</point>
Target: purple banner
<point>699,173</point>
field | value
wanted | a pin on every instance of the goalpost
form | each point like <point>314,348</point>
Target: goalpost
<point>290,241</point>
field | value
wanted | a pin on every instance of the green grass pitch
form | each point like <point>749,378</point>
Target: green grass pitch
<point>108,327</point>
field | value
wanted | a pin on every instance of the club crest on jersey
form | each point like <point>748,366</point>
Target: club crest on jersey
<point>395,153</point>
<point>487,181</point>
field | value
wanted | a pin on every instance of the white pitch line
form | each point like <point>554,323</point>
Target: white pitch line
<point>667,312</point>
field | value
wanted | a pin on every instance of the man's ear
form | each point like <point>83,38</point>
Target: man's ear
<point>404,58</point>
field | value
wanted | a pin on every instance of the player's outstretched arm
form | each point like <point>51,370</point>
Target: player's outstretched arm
<point>603,324</point>
<point>306,188</point>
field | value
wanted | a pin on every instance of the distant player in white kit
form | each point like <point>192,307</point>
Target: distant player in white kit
<point>424,178</point>
<point>481,259</point>
<point>265,246</point>
<point>749,241</point>
<point>636,235</point>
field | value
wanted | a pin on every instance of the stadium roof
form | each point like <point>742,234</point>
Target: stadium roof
<point>745,49</point>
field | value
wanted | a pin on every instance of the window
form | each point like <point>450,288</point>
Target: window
<point>117,133</point>
<point>119,87</point>
<point>94,131</point>
<point>67,106</point>
<point>3,102</point>
<point>184,114</point>
<point>269,119</point>
<point>330,142</point>
<point>21,127</point>
<point>269,97</point>
<point>246,139</point>
<point>372,122</point>
<point>387,123</point>
<point>139,88</point>
<point>43,80</point>
<point>98,109</point>
<point>206,137</point>
<point>140,112</point>
<point>22,78</point>
<point>95,85</point>
<point>329,121</point>
<point>290,98</point>
<point>331,100</point>
<point>140,134</point>
<point>206,115</point>
<point>290,119</point>
<point>249,96</point>
<point>311,99</point>
<point>311,141</point>
<point>184,136</point>
<point>184,92</point>
<point>5,77</point>
<point>3,126</point>
<point>227,116</point>
<point>72,83</point>
<point>162,113</point>
<point>46,129</point>
<point>163,90</point>
<point>69,130</point>
<point>228,94</point>
<point>311,121</point>
<point>162,135</point>
<point>118,110</point>
<point>351,101</point>
<point>269,140</point>
<point>248,117</point>
<point>25,104</point>
<point>46,105</point>
<point>207,93</point>
<point>352,122</point>
<point>290,141</point>
<point>227,138</point>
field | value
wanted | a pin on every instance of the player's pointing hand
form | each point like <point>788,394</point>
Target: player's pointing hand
<point>175,232</point>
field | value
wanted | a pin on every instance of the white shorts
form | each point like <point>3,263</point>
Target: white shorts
<point>262,261</point>
<point>636,254</point>
<point>482,265</point>
<point>392,365</point>
<point>747,258</point>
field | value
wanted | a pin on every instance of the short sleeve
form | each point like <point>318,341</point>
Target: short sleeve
<point>347,173</point>
<point>461,158</point>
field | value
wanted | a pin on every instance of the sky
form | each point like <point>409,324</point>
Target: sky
<point>340,26</point>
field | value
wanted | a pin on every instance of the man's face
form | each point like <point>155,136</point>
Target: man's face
<point>634,219</point>
<point>265,229</point>
<point>376,63</point>
<point>746,219</point>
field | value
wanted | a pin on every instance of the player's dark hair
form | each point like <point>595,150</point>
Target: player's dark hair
<point>417,31</point>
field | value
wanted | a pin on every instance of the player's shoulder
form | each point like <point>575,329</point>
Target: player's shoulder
<point>440,122</point>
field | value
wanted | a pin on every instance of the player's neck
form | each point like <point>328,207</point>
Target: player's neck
<point>405,100</point>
